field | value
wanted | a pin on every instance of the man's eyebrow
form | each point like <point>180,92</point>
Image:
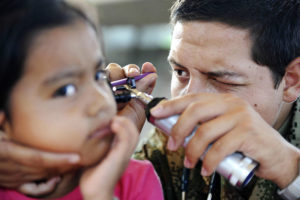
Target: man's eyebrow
<point>172,61</point>
<point>217,74</point>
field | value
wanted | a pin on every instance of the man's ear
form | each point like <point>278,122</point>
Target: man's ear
<point>292,81</point>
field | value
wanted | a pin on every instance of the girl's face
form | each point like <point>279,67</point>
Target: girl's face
<point>63,103</point>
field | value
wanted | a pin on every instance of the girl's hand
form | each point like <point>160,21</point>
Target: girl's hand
<point>99,182</point>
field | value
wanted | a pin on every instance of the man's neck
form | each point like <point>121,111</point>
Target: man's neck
<point>285,112</point>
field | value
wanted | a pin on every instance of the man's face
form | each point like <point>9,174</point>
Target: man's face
<point>213,57</point>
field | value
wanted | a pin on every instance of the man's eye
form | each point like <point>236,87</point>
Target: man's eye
<point>101,75</point>
<point>181,73</point>
<point>65,91</point>
<point>226,83</point>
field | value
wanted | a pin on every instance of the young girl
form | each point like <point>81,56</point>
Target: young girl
<point>55,97</point>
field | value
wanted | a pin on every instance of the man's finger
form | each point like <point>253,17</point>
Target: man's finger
<point>19,179</point>
<point>32,157</point>
<point>36,189</point>
<point>131,70</point>
<point>115,72</point>
<point>148,67</point>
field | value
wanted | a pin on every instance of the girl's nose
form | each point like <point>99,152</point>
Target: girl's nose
<point>99,99</point>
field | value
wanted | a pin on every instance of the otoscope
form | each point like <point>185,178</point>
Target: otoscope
<point>237,168</point>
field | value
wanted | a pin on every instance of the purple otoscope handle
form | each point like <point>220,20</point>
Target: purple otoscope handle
<point>124,81</point>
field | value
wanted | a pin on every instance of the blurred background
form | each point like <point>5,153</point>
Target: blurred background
<point>136,31</point>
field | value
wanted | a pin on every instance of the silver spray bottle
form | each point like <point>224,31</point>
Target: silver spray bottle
<point>236,168</point>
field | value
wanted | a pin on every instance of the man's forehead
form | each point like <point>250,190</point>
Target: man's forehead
<point>213,31</point>
<point>220,58</point>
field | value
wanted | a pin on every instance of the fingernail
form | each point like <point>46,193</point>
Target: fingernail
<point>171,144</point>
<point>204,172</point>
<point>74,159</point>
<point>133,70</point>
<point>157,110</point>
<point>117,122</point>
<point>187,163</point>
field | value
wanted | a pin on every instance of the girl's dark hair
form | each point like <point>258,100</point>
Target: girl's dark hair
<point>274,26</point>
<point>20,21</point>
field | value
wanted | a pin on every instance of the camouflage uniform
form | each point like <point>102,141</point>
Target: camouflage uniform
<point>169,166</point>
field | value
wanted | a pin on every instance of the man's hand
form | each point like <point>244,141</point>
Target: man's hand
<point>99,182</point>
<point>38,189</point>
<point>232,125</point>
<point>134,110</point>
<point>20,165</point>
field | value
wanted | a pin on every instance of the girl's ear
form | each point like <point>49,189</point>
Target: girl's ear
<point>4,126</point>
<point>292,81</point>
<point>2,116</point>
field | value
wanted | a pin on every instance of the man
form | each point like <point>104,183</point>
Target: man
<point>236,72</point>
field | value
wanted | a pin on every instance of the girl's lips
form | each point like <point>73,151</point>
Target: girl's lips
<point>100,132</point>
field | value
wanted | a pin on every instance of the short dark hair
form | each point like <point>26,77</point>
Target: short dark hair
<point>20,21</point>
<point>274,26</point>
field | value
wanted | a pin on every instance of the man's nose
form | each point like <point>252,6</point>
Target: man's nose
<point>196,85</point>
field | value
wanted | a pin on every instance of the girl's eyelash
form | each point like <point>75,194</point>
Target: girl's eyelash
<point>101,74</point>
<point>70,89</point>
<point>65,91</point>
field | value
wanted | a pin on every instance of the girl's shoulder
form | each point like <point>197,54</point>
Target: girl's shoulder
<point>138,172</point>
<point>139,181</point>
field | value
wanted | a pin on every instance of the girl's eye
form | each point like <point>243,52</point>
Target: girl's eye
<point>101,75</point>
<point>65,91</point>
